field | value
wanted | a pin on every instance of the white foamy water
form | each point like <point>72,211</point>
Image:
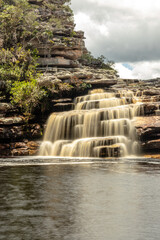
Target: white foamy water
<point>100,126</point>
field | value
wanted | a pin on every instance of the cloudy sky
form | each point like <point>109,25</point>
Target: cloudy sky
<point>125,31</point>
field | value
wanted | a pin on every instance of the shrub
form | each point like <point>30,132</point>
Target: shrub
<point>17,22</point>
<point>100,62</point>
<point>17,64</point>
<point>26,95</point>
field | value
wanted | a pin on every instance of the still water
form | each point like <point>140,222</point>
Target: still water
<point>113,200</point>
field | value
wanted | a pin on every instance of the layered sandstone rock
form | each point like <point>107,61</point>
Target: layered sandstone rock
<point>148,130</point>
<point>61,46</point>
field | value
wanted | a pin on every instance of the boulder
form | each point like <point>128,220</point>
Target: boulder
<point>157,112</point>
<point>5,107</point>
<point>15,133</point>
<point>108,151</point>
<point>11,120</point>
<point>152,145</point>
<point>150,108</point>
<point>148,131</point>
<point>148,122</point>
<point>151,92</point>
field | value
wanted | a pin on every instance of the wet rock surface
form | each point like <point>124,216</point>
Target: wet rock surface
<point>148,130</point>
<point>26,148</point>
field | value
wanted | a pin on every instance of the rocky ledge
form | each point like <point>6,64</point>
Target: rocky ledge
<point>148,130</point>
<point>94,78</point>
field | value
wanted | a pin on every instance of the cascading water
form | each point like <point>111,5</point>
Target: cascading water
<point>100,126</point>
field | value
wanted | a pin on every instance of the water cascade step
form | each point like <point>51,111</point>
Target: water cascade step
<point>101,125</point>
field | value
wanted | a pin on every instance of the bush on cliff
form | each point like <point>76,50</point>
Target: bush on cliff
<point>17,63</point>
<point>17,22</point>
<point>18,60</point>
<point>26,95</point>
<point>100,62</point>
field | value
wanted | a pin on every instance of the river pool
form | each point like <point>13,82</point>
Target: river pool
<point>79,199</point>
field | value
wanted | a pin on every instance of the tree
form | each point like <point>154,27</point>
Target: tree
<point>17,22</point>
<point>18,59</point>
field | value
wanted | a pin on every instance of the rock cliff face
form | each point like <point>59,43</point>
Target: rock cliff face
<point>62,45</point>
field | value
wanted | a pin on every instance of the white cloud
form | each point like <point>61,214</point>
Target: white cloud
<point>122,31</point>
<point>140,70</point>
<point>123,71</point>
<point>146,69</point>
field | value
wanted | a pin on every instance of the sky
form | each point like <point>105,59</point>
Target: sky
<point>124,31</point>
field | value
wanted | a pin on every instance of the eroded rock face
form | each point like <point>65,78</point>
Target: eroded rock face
<point>11,120</point>
<point>4,107</point>
<point>15,133</point>
<point>64,46</point>
<point>148,130</point>
<point>97,78</point>
<point>58,43</point>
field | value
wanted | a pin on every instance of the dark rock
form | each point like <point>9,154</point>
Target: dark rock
<point>19,148</point>
<point>32,131</point>
<point>5,107</point>
<point>148,130</point>
<point>20,152</point>
<point>157,112</point>
<point>33,145</point>
<point>20,145</point>
<point>152,145</point>
<point>102,83</point>
<point>59,107</point>
<point>105,151</point>
<point>150,108</point>
<point>58,61</point>
<point>64,100</point>
<point>151,92</point>
<point>11,120</point>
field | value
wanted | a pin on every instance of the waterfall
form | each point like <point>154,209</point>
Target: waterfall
<point>101,125</point>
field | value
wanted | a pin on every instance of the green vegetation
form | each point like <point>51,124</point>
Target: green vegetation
<point>26,95</point>
<point>17,64</point>
<point>17,23</point>
<point>100,62</point>
<point>18,60</point>
<point>18,70</point>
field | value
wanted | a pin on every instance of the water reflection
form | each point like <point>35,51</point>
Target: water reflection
<point>80,202</point>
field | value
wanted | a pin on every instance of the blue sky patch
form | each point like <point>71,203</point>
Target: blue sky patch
<point>126,65</point>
